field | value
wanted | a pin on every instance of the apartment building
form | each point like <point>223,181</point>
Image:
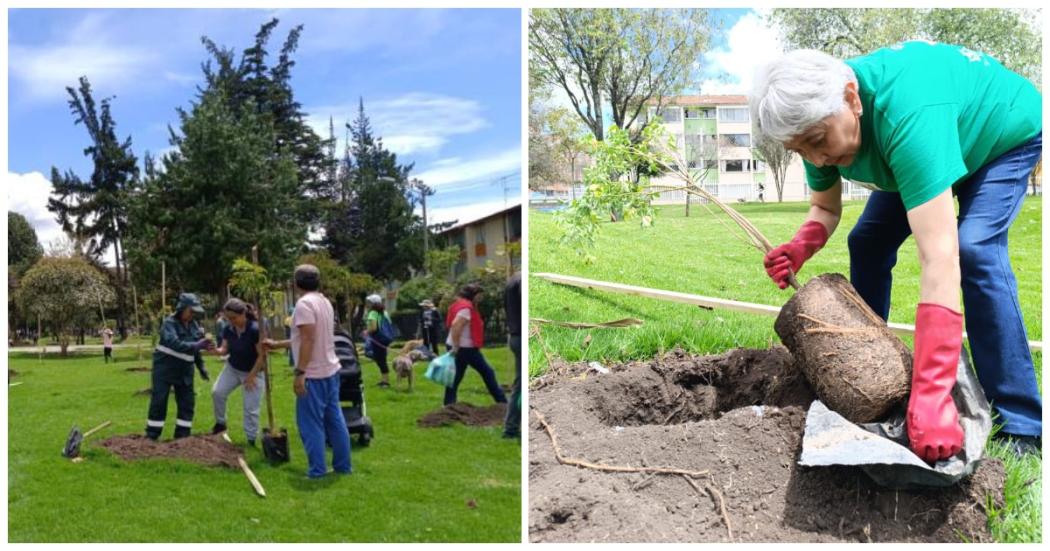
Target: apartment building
<point>714,135</point>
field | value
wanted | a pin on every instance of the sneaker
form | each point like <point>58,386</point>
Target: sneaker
<point>219,428</point>
<point>1021,445</point>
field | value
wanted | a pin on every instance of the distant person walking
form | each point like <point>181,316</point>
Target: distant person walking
<point>243,366</point>
<point>317,411</point>
<point>181,342</point>
<point>379,335</point>
<point>466,336</point>
<point>430,325</point>
<point>107,344</point>
<point>512,307</point>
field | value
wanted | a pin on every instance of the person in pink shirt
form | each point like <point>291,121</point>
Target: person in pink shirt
<point>107,344</point>
<point>317,411</point>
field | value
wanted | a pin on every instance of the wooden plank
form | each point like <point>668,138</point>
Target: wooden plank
<point>251,476</point>
<point>901,329</point>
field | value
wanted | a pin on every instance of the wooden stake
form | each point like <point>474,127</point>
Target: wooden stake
<point>901,329</point>
<point>251,476</point>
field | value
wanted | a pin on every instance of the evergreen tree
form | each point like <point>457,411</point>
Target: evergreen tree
<point>223,190</point>
<point>97,210</point>
<point>374,230</point>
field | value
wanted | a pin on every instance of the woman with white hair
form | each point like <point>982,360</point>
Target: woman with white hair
<point>379,335</point>
<point>920,123</point>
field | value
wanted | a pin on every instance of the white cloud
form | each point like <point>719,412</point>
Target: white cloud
<point>446,174</point>
<point>465,213</point>
<point>750,43</point>
<point>27,195</point>
<point>411,123</point>
<point>46,70</point>
<point>182,79</point>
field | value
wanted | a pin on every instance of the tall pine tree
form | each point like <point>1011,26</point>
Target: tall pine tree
<point>96,211</point>
<point>374,229</point>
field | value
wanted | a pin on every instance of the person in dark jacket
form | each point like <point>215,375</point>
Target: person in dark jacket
<point>512,306</point>
<point>430,325</point>
<point>179,349</point>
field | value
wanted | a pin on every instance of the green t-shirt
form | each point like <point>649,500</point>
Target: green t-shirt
<point>933,115</point>
<point>374,316</point>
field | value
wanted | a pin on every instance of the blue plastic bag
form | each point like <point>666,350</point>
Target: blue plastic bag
<point>442,370</point>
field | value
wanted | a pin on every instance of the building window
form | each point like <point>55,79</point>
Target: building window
<point>479,243</point>
<point>733,114</point>
<point>736,140</point>
<point>735,165</point>
<point>757,166</point>
<point>700,113</point>
<point>668,114</point>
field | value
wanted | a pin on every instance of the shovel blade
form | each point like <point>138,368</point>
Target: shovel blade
<point>275,446</point>
<point>72,447</point>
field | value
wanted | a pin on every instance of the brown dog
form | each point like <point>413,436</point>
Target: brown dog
<point>404,360</point>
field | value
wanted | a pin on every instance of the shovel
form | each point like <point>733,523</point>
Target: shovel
<point>274,443</point>
<point>73,441</point>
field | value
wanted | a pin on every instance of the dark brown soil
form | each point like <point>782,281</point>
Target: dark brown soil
<point>138,369</point>
<point>856,365</point>
<point>204,449</point>
<point>738,415</point>
<point>462,412</point>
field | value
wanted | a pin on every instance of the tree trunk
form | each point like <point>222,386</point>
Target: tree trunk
<point>856,366</point>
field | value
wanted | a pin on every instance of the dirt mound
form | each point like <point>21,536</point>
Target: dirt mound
<point>462,412</point>
<point>739,416</point>
<point>203,449</point>
<point>138,369</point>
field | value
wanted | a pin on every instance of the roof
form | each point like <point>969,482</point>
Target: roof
<point>482,218</point>
<point>703,100</point>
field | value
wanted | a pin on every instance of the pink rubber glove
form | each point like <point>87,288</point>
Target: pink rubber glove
<point>933,421</point>
<point>790,256</point>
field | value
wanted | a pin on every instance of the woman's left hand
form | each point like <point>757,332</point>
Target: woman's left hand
<point>249,382</point>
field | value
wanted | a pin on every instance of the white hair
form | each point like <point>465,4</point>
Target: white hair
<point>796,91</point>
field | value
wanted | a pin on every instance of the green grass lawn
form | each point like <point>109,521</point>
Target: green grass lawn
<point>700,255</point>
<point>410,485</point>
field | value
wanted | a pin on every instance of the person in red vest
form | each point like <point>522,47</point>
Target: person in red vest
<point>466,336</point>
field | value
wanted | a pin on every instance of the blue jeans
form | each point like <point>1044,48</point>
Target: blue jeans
<point>472,357</point>
<point>989,201</point>
<point>318,414</point>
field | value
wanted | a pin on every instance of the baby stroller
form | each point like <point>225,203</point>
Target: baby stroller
<point>352,389</point>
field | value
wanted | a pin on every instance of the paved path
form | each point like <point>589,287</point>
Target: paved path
<point>74,348</point>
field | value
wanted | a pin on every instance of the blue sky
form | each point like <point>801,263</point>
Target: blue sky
<point>442,87</point>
